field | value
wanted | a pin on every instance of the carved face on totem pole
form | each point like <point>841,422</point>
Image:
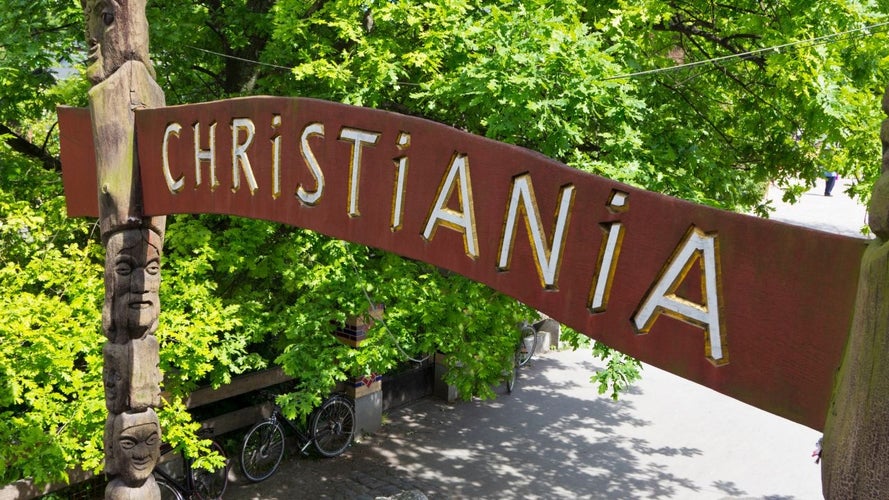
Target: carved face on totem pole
<point>132,280</point>
<point>135,448</point>
<point>115,371</point>
<point>117,31</point>
<point>131,375</point>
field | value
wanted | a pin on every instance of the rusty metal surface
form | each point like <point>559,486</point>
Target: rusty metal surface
<point>79,162</point>
<point>784,320</point>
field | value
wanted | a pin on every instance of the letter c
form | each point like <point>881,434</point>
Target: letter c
<point>173,185</point>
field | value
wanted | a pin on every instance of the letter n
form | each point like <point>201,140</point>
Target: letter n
<point>547,253</point>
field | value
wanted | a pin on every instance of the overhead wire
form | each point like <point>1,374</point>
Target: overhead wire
<point>236,58</point>
<point>743,55</point>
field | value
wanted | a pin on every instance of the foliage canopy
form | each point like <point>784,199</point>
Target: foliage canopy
<point>552,76</point>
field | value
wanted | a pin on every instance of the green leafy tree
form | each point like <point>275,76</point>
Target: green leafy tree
<point>704,101</point>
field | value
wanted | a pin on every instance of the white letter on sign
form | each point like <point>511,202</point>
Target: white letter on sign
<point>240,161</point>
<point>311,197</point>
<point>546,253</point>
<point>276,158</point>
<point>401,163</point>
<point>463,221</point>
<point>173,185</point>
<point>205,155</point>
<point>359,139</point>
<point>608,254</point>
<point>696,246</point>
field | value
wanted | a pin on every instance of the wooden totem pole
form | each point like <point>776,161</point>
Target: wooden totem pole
<point>856,435</point>
<point>123,80</point>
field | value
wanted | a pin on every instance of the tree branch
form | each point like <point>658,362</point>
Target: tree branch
<point>703,116</point>
<point>315,7</point>
<point>29,149</point>
<point>691,29</point>
<point>54,29</point>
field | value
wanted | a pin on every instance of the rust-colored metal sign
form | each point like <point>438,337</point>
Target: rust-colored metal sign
<point>736,303</point>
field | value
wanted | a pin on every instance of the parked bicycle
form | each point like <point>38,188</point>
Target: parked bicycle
<point>330,430</point>
<point>198,484</point>
<point>527,345</point>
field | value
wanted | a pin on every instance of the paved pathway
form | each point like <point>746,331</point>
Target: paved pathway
<point>555,437</point>
<point>836,214</point>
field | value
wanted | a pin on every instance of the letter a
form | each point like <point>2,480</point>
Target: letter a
<point>696,246</point>
<point>463,221</point>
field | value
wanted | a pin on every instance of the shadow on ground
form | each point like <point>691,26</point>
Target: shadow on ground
<point>550,438</point>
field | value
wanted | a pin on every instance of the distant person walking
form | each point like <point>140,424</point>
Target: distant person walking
<point>830,180</point>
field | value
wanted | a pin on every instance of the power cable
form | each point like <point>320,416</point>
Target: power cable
<point>774,48</point>
<point>236,58</point>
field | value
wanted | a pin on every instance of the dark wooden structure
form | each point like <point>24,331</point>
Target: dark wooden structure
<point>733,302</point>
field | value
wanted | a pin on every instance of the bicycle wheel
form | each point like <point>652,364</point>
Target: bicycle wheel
<point>262,450</point>
<point>168,492</point>
<point>528,344</point>
<point>333,426</point>
<point>211,485</point>
<point>511,377</point>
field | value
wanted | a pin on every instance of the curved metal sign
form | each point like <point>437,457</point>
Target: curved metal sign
<point>736,303</point>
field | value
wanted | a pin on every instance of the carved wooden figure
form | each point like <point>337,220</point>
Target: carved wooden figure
<point>132,377</point>
<point>123,81</point>
<point>855,456</point>
<point>132,280</point>
<point>133,451</point>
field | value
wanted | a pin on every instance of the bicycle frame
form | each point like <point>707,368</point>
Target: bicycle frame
<point>187,490</point>
<point>189,487</point>
<point>526,348</point>
<point>304,438</point>
<point>329,428</point>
